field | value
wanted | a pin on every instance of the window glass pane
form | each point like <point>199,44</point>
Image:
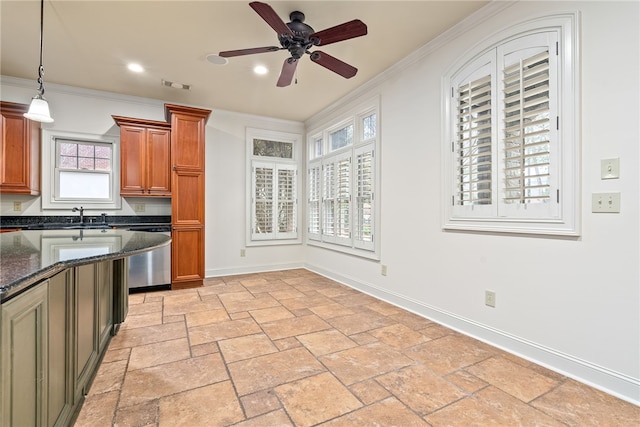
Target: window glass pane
<point>86,150</point>
<point>84,185</point>
<point>67,149</point>
<point>318,147</point>
<point>369,127</point>
<point>266,148</point>
<point>341,138</point>
<point>103,152</point>
<point>103,164</point>
<point>68,162</point>
<point>85,163</point>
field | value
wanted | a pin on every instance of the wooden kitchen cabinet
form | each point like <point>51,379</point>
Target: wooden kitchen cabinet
<point>188,203</point>
<point>145,157</point>
<point>19,151</point>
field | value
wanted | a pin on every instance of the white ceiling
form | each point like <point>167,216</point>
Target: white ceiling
<point>88,43</point>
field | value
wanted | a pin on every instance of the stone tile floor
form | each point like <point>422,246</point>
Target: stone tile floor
<point>293,348</point>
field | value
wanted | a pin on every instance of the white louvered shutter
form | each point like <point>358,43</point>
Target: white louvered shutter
<point>286,202</point>
<point>364,198</point>
<point>262,209</point>
<point>314,200</point>
<point>529,134</point>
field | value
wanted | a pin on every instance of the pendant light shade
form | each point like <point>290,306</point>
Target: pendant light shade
<point>39,108</point>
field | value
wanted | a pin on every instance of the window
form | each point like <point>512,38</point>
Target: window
<point>342,183</point>
<point>273,194</point>
<point>82,171</point>
<point>511,139</point>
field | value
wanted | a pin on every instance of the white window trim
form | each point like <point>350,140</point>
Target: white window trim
<point>50,178</point>
<point>569,221</point>
<point>296,140</point>
<point>353,114</point>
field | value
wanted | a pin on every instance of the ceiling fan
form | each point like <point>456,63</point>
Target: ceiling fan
<point>298,37</point>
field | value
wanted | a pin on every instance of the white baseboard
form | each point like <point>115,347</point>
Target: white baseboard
<point>622,386</point>
<point>234,271</point>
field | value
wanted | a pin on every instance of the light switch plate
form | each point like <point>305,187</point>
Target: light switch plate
<point>610,168</point>
<point>605,202</point>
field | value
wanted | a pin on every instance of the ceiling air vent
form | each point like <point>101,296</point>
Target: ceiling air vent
<point>175,85</point>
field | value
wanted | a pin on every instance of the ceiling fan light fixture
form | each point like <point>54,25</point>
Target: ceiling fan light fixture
<point>136,68</point>
<point>260,70</point>
<point>39,107</point>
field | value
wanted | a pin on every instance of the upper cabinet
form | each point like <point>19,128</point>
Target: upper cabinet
<point>19,151</point>
<point>145,157</point>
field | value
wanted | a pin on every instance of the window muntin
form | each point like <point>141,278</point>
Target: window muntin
<point>531,183</point>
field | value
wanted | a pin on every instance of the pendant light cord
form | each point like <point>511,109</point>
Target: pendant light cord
<point>41,68</point>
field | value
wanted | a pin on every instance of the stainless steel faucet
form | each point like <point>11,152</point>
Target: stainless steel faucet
<point>81,210</point>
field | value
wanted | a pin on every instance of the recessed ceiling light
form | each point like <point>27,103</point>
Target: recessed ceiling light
<point>260,69</point>
<point>216,59</point>
<point>136,68</point>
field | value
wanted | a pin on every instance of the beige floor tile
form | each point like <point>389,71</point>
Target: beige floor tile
<point>222,330</point>
<point>411,320</point>
<point>98,410</point>
<point>325,342</point>
<point>389,412</point>
<point>187,306</point>
<point>272,419</point>
<point>399,336</point>
<point>248,304</point>
<point>186,409</point>
<point>517,380</point>
<point>241,348</point>
<point>265,372</point>
<point>466,381</point>
<point>359,322</point>
<point>206,348</point>
<point>147,335</point>
<point>576,404</point>
<point>144,385</point>
<point>109,377</point>
<point>384,308</point>
<point>421,389</point>
<point>287,343</point>
<point>449,353</point>
<point>271,314</point>
<point>331,310</point>
<point>137,416</point>
<point>260,403</point>
<point>287,293</point>
<point>135,299</point>
<point>369,391</point>
<point>142,320</point>
<point>115,355</point>
<point>159,353</point>
<point>490,407</point>
<point>306,301</point>
<point>315,399</point>
<point>435,331</point>
<point>361,363</point>
<point>206,317</point>
<point>294,326</point>
<point>147,307</point>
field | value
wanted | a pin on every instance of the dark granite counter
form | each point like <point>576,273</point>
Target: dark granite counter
<point>110,221</point>
<point>27,257</point>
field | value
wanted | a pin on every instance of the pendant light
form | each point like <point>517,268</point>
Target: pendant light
<point>39,108</point>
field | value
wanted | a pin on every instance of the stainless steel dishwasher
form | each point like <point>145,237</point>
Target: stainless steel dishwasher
<point>150,271</point>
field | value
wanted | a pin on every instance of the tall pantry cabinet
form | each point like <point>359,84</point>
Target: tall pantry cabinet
<point>187,204</point>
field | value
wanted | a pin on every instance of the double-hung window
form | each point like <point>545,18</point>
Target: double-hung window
<point>82,170</point>
<point>511,150</point>
<point>342,183</point>
<point>273,193</point>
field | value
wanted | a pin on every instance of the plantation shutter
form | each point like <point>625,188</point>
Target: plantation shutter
<point>314,197</point>
<point>364,200</point>
<point>263,179</point>
<point>273,201</point>
<point>287,200</point>
<point>336,212</point>
<point>529,126</point>
<point>473,142</point>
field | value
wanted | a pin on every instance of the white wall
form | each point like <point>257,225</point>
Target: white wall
<point>576,309</point>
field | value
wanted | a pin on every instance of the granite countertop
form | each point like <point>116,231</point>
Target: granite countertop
<point>27,257</point>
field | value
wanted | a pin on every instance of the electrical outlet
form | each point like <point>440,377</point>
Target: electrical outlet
<point>17,206</point>
<point>383,270</point>
<point>139,207</point>
<point>243,252</point>
<point>490,298</point>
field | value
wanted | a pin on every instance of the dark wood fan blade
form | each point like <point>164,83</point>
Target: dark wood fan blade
<point>288,70</point>
<point>348,30</point>
<point>240,52</point>
<point>333,64</point>
<point>267,13</point>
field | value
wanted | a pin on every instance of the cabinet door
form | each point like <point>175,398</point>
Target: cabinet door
<point>187,257</point>
<point>19,151</point>
<point>158,162</point>
<point>104,285</point>
<point>60,393</point>
<point>23,370</point>
<point>132,160</point>
<point>86,339</point>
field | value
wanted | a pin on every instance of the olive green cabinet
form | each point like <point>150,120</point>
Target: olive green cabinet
<point>52,338</point>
